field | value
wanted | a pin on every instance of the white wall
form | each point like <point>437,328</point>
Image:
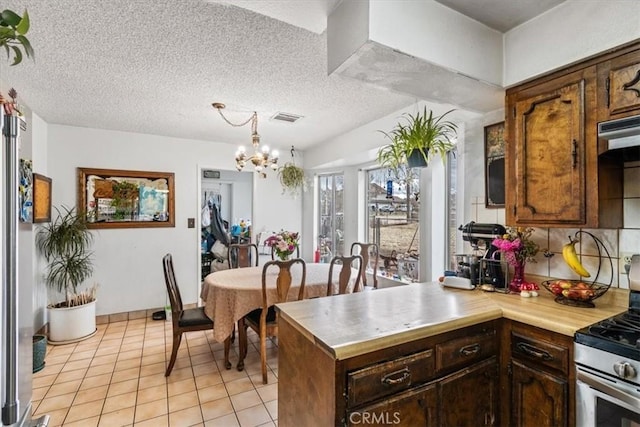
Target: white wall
<point>574,30</point>
<point>39,130</point>
<point>439,35</point>
<point>127,261</point>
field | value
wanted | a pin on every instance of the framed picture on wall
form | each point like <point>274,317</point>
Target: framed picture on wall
<point>494,165</point>
<point>41,198</point>
<point>114,198</point>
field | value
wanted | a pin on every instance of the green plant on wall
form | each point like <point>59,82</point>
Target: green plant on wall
<point>124,196</point>
<point>13,28</point>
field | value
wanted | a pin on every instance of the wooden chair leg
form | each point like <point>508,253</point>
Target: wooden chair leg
<point>177,338</point>
<point>263,351</point>
<point>242,343</point>
<point>227,345</point>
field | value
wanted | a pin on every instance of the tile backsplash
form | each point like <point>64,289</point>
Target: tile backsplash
<point>620,243</point>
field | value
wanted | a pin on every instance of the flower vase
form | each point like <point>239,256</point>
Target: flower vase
<point>284,257</point>
<point>518,277</point>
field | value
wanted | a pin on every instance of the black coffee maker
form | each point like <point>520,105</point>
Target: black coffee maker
<point>481,267</point>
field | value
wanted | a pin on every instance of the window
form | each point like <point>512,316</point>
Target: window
<point>393,207</point>
<point>331,216</point>
<point>452,219</point>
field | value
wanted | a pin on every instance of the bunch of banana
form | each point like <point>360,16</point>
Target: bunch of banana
<point>571,258</point>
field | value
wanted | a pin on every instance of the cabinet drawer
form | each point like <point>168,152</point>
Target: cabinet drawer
<point>540,351</point>
<point>466,350</point>
<point>416,407</point>
<point>383,379</point>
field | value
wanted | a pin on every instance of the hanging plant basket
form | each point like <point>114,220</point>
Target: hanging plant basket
<point>416,159</point>
<point>417,138</point>
<point>292,178</point>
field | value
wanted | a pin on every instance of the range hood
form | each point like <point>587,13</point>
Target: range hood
<point>621,133</point>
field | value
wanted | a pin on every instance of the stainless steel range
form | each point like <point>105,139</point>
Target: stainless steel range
<point>607,357</point>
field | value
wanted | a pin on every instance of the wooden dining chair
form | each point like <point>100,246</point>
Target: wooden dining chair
<point>366,251</point>
<point>243,255</point>
<point>264,321</point>
<point>183,320</point>
<point>273,252</point>
<point>349,263</point>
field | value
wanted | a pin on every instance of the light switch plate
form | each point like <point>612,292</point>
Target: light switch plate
<point>191,223</point>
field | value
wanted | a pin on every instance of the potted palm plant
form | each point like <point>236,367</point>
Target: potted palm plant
<point>417,138</point>
<point>65,244</point>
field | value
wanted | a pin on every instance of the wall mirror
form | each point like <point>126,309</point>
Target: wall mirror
<point>115,198</point>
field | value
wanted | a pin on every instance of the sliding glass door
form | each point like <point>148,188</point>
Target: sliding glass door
<point>330,217</point>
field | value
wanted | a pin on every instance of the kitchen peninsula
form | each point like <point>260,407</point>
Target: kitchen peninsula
<point>403,355</point>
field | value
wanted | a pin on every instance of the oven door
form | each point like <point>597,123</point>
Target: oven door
<point>602,400</point>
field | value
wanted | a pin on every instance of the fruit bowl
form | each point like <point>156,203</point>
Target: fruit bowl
<point>576,293</point>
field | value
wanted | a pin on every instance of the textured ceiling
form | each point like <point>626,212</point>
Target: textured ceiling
<point>155,66</point>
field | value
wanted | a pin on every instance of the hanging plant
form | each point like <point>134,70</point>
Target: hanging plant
<point>418,137</point>
<point>292,177</point>
<point>13,28</point>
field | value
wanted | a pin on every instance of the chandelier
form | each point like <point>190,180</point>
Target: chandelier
<point>261,159</point>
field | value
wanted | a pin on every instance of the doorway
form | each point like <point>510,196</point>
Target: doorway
<point>232,194</point>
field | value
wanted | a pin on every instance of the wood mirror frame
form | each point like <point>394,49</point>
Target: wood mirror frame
<point>138,198</point>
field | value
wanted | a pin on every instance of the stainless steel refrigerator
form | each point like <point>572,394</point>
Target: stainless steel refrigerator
<point>16,306</point>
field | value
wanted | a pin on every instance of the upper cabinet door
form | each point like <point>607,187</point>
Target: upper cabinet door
<point>550,152</point>
<point>620,78</point>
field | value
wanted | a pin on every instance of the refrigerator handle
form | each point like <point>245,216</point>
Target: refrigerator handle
<point>9,368</point>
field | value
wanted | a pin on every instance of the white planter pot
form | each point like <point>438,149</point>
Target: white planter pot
<point>67,325</point>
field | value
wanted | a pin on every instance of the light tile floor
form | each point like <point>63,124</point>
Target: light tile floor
<point>116,378</point>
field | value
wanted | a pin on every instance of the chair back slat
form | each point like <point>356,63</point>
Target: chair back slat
<point>348,263</point>
<point>242,255</point>
<point>172,286</point>
<point>284,280</point>
<point>367,250</point>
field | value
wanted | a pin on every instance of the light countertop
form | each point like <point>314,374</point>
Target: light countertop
<point>350,325</point>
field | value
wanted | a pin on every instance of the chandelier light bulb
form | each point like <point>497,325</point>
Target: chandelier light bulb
<point>258,168</point>
<point>265,149</point>
<point>274,155</point>
<point>274,166</point>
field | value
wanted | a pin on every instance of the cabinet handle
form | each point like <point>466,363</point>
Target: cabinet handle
<point>574,153</point>
<point>469,350</point>
<point>534,351</point>
<point>397,377</point>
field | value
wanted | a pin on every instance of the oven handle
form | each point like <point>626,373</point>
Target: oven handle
<point>598,384</point>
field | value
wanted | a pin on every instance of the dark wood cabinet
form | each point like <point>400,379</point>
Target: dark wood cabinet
<point>551,138</point>
<point>539,377</point>
<point>469,397</point>
<point>442,380</point>
<point>553,156</point>
<point>409,409</point>
<point>619,79</point>
<point>537,397</point>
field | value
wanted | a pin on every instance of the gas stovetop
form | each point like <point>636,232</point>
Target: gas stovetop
<point>619,334</point>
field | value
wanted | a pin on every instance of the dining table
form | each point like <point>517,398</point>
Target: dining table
<point>229,295</point>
